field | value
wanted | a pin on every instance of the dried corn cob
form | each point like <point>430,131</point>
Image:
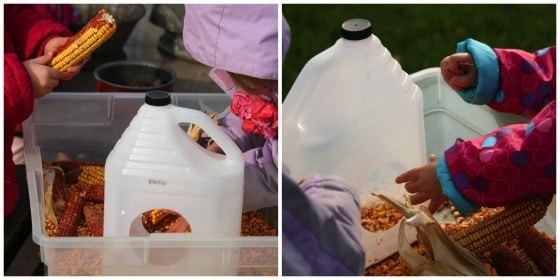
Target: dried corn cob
<point>502,226</point>
<point>71,215</point>
<point>68,165</point>
<point>93,214</point>
<point>157,215</point>
<point>95,193</point>
<point>507,263</point>
<point>539,250</point>
<point>195,131</point>
<point>91,175</point>
<point>98,30</point>
<point>72,176</point>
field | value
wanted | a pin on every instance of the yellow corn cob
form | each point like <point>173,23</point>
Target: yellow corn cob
<point>502,226</point>
<point>157,215</point>
<point>195,131</point>
<point>98,30</point>
<point>91,175</point>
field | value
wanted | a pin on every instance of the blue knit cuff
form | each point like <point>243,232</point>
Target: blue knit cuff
<point>486,63</point>
<point>463,205</point>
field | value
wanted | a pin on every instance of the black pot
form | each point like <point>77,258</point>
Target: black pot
<point>133,76</point>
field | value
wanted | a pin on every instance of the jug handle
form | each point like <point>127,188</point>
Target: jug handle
<point>227,145</point>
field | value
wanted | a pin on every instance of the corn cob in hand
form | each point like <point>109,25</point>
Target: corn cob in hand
<point>98,30</point>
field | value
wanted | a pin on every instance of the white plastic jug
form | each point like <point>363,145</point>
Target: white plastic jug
<point>354,112</point>
<point>156,165</point>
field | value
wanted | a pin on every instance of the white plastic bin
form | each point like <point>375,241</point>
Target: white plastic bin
<point>86,126</point>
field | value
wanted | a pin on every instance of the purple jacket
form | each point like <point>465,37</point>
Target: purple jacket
<point>321,227</point>
<point>241,39</point>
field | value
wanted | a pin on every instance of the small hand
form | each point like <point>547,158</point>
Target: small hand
<point>423,183</point>
<point>459,72</point>
<point>43,77</point>
<point>54,45</point>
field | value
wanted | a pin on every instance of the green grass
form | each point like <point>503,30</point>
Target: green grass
<point>417,35</point>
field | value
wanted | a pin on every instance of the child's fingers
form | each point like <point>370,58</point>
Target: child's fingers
<point>462,81</point>
<point>433,158</point>
<point>434,205</point>
<point>44,59</point>
<point>410,175</point>
<point>418,198</point>
<point>413,186</point>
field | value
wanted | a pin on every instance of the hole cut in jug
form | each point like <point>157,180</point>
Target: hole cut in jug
<point>162,220</point>
<point>197,134</point>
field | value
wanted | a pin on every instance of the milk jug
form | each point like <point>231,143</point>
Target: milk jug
<point>354,112</point>
<point>156,165</point>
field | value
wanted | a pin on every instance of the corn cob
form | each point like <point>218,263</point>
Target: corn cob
<point>71,215</point>
<point>95,193</point>
<point>539,250</point>
<point>93,214</point>
<point>91,175</point>
<point>157,215</point>
<point>98,30</point>
<point>503,226</point>
<point>68,165</point>
<point>507,263</point>
<point>195,131</point>
<point>72,176</point>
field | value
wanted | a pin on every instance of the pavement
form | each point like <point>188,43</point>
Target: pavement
<point>142,45</point>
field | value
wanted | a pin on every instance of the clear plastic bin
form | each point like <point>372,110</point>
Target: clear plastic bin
<point>85,126</point>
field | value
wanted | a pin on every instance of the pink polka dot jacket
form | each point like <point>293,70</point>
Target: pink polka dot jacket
<point>516,162</point>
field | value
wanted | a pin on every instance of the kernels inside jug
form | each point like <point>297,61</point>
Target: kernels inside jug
<point>379,216</point>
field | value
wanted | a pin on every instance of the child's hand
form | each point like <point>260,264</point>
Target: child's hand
<point>424,185</point>
<point>43,77</point>
<point>54,45</point>
<point>459,72</point>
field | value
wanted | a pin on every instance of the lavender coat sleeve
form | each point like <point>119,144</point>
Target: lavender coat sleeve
<point>321,227</point>
<point>261,163</point>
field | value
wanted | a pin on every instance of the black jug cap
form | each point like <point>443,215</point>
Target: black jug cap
<point>158,98</point>
<point>356,29</point>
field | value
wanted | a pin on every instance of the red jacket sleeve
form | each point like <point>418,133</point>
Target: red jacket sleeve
<point>516,162</point>
<point>509,165</point>
<point>527,80</point>
<point>30,29</point>
<point>26,32</point>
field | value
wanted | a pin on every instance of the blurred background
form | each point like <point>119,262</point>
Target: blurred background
<point>417,35</point>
